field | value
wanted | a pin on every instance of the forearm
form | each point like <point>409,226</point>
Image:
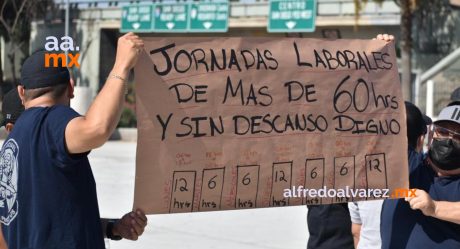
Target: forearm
<point>355,231</point>
<point>355,240</point>
<point>448,211</point>
<point>105,111</point>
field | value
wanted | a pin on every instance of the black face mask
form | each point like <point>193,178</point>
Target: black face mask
<point>445,153</point>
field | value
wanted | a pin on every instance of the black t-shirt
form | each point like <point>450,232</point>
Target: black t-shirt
<point>329,227</point>
<point>48,196</point>
<point>404,228</point>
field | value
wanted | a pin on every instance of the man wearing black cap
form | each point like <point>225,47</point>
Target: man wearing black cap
<point>47,190</point>
<point>431,219</point>
<point>11,109</point>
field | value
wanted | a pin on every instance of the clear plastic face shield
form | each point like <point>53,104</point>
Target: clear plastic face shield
<point>445,131</point>
<point>444,148</point>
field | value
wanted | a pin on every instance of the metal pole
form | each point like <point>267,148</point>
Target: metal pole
<point>416,94</point>
<point>441,65</point>
<point>429,98</point>
<point>66,28</point>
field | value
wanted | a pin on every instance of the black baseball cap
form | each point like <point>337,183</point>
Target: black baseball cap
<point>34,73</point>
<point>416,121</point>
<point>11,107</point>
<point>455,97</point>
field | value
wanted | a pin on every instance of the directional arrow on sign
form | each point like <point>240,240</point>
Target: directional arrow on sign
<point>290,24</point>
<point>207,25</point>
<point>136,25</point>
<point>170,25</point>
<point>193,13</point>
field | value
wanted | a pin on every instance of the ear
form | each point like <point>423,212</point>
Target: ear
<point>21,92</point>
<point>9,127</point>
<point>71,89</point>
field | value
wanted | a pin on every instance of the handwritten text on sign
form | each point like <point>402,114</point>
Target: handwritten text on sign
<point>229,123</point>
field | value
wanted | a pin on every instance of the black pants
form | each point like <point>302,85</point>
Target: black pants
<point>329,227</point>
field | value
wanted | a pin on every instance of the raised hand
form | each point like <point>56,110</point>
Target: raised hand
<point>128,49</point>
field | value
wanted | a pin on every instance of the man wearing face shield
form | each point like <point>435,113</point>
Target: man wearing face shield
<point>444,153</point>
<point>431,219</point>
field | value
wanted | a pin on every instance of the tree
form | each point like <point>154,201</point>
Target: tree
<point>408,8</point>
<point>407,11</point>
<point>15,19</point>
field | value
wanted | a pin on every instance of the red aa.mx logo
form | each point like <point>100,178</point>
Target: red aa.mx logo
<point>53,47</point>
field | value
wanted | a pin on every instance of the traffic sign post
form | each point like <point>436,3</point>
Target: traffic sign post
<point>136,18</point>
<point>292,16</point>
<point>209,16</point>
<point>171,17</point>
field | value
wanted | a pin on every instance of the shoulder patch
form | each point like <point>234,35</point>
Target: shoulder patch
<point>9,181</point>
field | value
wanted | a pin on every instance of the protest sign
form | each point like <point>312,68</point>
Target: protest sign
<point>232,123</point>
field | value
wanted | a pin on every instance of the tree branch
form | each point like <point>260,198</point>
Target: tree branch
<point>2,20</point>
<point>8,28</point>
<point>3,7</point>
<point>18,14</point>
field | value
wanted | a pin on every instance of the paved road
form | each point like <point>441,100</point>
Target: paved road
<point>270,228</point>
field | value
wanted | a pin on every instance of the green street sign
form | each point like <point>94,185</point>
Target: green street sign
<point>209,16</point>
<point>176,17</point>
<point>136,18</point>
<point>292,16</point>
<point>171,17</point>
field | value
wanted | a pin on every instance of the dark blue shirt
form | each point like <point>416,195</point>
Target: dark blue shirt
<point>402,227</point>
<point>47,196</point>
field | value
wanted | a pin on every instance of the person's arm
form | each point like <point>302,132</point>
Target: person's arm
<point>93,130</point>
<point>353,208</point>
<point>448,211</point>
<point>131,226</point>
<point>443,210</point>
<point>356,232</point>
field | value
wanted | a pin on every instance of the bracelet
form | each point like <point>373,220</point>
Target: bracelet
<point>117,77</point>
<point>120,78</point>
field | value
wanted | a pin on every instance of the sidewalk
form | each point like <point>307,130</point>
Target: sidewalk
<point>269,228</point>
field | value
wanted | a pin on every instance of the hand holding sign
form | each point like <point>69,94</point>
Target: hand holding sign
<point>128,49</point>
